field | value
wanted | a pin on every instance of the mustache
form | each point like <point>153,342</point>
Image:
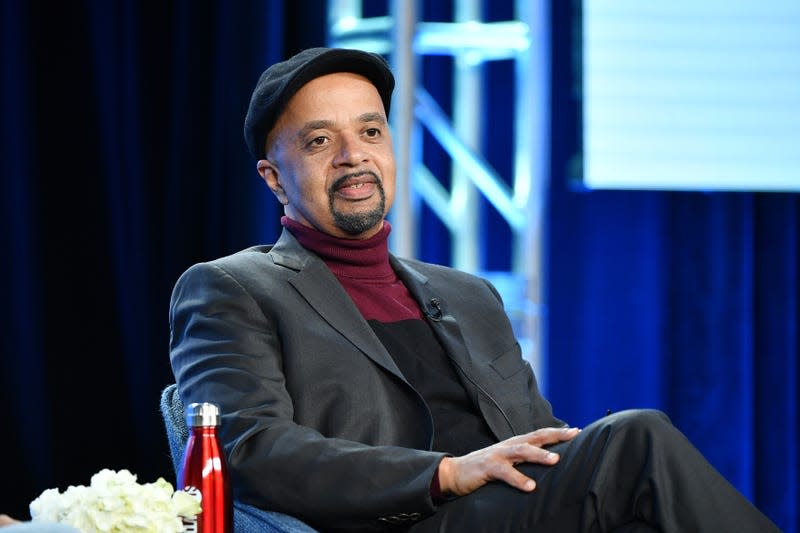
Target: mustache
<point>338,183</point>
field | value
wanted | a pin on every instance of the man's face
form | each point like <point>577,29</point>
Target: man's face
<point>329,157</point>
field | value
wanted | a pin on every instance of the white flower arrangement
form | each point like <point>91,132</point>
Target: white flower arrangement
<point>115,503</point>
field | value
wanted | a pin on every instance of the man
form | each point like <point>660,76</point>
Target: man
<point>365,391</point>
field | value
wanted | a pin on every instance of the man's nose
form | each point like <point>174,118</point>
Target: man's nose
<point>350,151</point>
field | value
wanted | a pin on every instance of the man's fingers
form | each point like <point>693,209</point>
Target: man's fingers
<point>529,453</point>
<point>462,475</point>
<point>518,480</point>
<point>524,453</point>
<point>546,436</point>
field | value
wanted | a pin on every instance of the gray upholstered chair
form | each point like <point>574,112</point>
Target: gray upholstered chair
<point>246,518</point>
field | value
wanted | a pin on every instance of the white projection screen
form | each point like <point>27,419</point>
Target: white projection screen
<point>691,94</point>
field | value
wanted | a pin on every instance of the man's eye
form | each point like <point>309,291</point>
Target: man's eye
<point>373,132</point>
<point>317,141</point>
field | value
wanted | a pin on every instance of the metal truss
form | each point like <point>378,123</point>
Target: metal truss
<point>404,39</point>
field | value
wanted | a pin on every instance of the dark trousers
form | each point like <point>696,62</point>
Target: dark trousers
<point>630,471</point>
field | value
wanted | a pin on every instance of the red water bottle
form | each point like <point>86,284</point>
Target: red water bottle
<point>205,471</point>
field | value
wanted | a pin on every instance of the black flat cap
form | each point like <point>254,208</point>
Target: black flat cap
<point>282,80</point>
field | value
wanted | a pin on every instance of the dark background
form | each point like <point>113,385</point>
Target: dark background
<point>123,164</point>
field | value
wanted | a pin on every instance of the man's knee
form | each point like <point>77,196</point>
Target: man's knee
<point>640,424</point>
<point>639,418</point>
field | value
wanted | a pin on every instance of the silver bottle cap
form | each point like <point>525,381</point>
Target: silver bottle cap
<point>202,414</point>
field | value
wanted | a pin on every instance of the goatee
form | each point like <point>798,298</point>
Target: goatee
<point>358,223</point>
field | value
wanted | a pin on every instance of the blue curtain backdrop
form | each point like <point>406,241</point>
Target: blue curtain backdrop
<point>123,163</point>
<point>687,302</point>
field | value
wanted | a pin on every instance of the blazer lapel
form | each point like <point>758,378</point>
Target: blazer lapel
<point>434,306</point>
<point>323,292</point>
<point>444,325</point>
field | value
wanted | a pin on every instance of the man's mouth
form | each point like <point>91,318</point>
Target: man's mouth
<point>355,181</point>
<point>353,186</point>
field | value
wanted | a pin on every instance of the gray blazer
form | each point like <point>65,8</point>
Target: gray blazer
<point>318,421</point>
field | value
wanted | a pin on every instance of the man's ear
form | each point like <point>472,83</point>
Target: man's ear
<point>271,176</point>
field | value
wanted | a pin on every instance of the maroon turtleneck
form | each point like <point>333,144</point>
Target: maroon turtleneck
<point>362,267</point>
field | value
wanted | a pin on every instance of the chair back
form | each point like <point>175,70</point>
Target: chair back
<point>177,431</point>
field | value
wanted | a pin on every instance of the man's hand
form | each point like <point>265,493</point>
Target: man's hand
<point>462,475</point>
